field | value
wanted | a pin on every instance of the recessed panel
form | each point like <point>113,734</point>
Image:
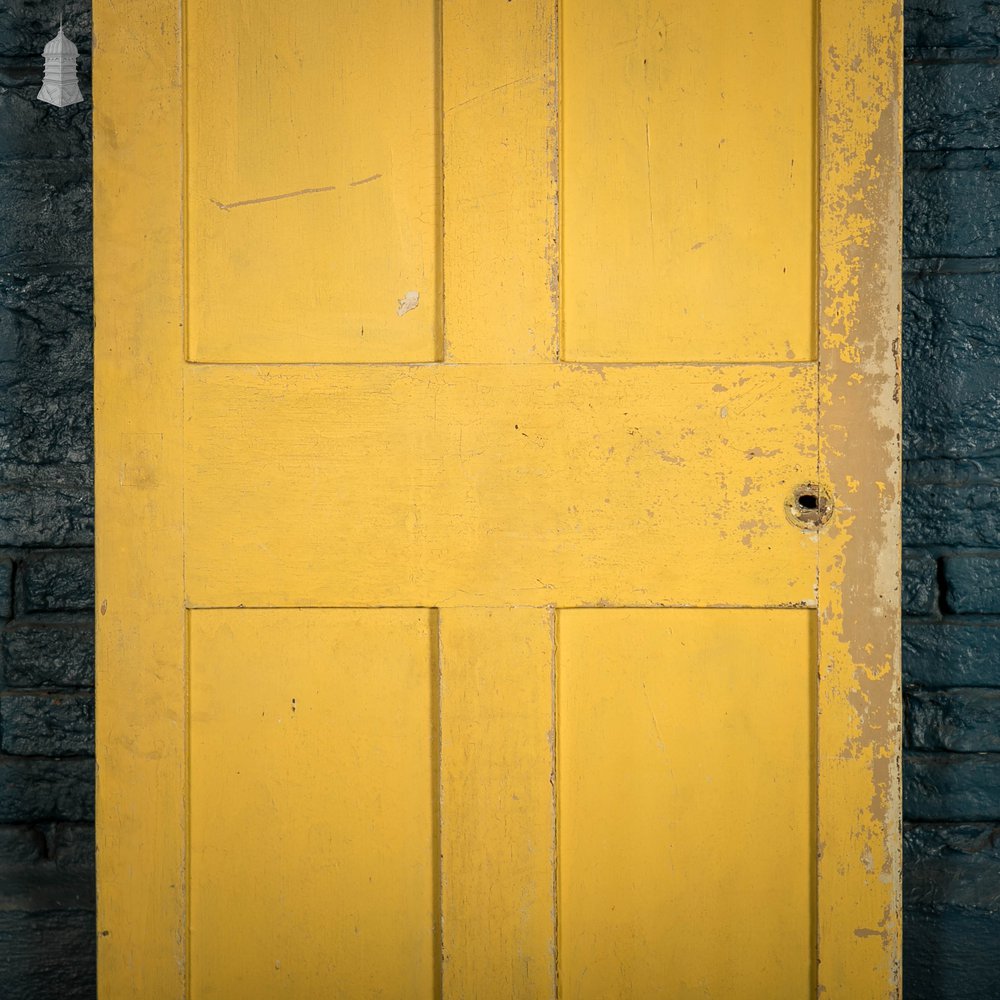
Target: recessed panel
<point>313,181</point>
<point>685,773</point>
<point>313,804</point>
<point>688,176</point>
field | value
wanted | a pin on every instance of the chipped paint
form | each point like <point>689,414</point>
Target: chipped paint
<point>859,702</point>
<point>408,303</point>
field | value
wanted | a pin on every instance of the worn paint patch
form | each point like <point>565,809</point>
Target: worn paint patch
<point>859,735</point>
<point>408,303</point>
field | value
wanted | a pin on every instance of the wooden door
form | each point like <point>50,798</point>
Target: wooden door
<point>497,499</point>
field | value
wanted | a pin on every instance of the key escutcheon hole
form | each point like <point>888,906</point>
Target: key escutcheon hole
<point>809,506</point>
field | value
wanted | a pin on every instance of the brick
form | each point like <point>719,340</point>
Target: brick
<point>960,719</point>
<point>972,583</point>
<point>34,129</point>
<point>39,873</point>
<point>41,886</point>
<point>951,106</point>
<point>73,845</point>
<point>951,400</point>
<point>951,654</point>
<point>24,71</point>
<point>979,471</point>
<point>46,345</point>
<point>951,786</point>
<point>47,724</point>
<point>949,953</point>
<point>951,360</point>
<point>952,864</point>
<point>21,845</point>
<point>955,29</point>
<point>46,322</point>
<point>950,299</point>
<point>48,955</point>
<point>950,204</point>
<point>45,214</point>
<point>26,25</point>
<point>6,587</point>
<point>46,332</point>
<point>941,515</point>
<point>951,910</point>
<point>920,594</point>
<point>47,655</point>
<point>33,790</point>
<point>39,514</point>
<point>60,580</point>
<point>46,377</point>
<point>53,428</point>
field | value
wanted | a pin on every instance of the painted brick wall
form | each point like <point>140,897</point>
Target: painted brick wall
<point>951,567</point>
<point>47,939</point>
<point>952,509</point>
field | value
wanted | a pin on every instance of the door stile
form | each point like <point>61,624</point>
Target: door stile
<point>500,267</point>
<point>139,356</point>
<point>500,125</point>
<point>859,448</point>
<point>498,802</point>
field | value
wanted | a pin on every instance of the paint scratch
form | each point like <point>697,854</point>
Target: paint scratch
<point>649,195</point>
<point>652,715</point>
<point>365,180</point>
<point>495,90</point>
<point>271,197</point>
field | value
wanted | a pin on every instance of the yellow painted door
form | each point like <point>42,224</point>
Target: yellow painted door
<point>497,494</point>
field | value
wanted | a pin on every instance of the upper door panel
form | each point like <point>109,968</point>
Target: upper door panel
<point>688,180</point>
<point>313,181</point>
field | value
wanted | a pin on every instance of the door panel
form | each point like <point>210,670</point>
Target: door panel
<point>686,753</point>
<point>313,181</point>
<point>314,804</point>
<point>688,169</point>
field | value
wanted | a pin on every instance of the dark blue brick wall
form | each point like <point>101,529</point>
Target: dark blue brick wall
<point>47,937</point>
<point>951,566</point>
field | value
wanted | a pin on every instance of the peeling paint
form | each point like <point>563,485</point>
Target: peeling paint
<point>859,793</point>
<point>407,303</point>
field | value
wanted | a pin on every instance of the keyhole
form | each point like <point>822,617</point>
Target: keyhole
<point>809,506</point>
